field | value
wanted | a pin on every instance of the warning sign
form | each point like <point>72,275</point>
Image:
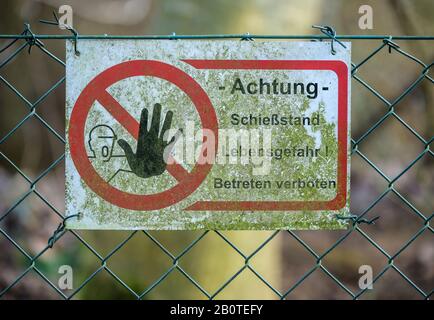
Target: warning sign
<point>207,135</point>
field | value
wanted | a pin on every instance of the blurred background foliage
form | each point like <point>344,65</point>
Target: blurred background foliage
<point>212,261</point>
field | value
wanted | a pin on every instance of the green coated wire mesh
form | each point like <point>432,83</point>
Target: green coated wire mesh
<point>28,41</point>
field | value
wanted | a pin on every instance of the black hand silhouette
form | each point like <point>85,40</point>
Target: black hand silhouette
<point>148,161</point>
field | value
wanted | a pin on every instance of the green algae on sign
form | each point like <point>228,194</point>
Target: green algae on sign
<point>281,112</point>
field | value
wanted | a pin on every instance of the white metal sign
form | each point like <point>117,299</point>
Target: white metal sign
<point>207,135</point>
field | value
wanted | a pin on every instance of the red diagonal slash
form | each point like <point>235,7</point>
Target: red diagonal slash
<point>96,90</point>
<point>132,126</point>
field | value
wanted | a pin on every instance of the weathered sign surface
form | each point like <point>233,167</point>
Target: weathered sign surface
<point>207,135</point>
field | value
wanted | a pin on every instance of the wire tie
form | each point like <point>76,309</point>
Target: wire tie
<point>331,33</point>
<point>67,27</point>
<point>356,220</point>
<point>390,44</point>
<point>60,229</point>
<point>32,40</point>
<point>246,37</point>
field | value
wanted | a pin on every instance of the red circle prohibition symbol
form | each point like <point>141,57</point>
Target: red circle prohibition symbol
<point>96,90</point>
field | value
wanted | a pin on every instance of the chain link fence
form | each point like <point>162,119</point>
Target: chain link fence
<point>315,257</point>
